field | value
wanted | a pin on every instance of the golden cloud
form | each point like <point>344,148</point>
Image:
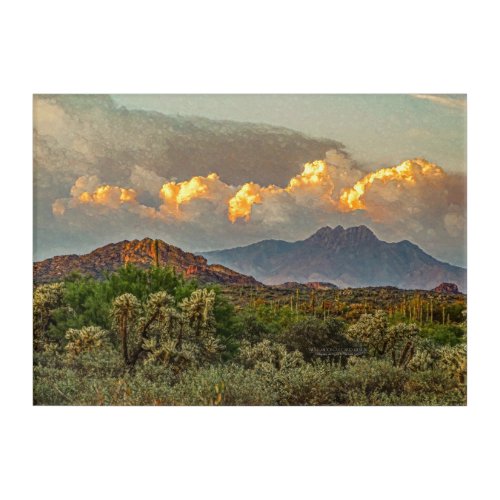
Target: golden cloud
<point>409,171</point>
<point>315,180</point>
<point>312,189</point>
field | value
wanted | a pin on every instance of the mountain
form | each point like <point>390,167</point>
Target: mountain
<point>352,257</point>
<point>142,253</point>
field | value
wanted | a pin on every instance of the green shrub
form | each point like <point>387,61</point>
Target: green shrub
<point>316,338</point>
<point>444,334</point>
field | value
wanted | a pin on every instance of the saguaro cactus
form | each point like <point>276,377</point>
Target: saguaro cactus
<point>156,253</point>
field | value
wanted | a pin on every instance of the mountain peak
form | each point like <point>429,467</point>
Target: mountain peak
<point>329,229</point>
<point>327,232</point>
<point>328,235</point>
<point>361,231</point>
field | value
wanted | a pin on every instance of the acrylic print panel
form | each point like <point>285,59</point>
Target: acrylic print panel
<point>249,249</point>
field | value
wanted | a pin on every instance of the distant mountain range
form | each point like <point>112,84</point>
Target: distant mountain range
<point>352,257</point>
<point>330,258</point>
<point>142,253</point>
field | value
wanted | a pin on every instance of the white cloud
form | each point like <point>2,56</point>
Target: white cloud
<point>456,102</point>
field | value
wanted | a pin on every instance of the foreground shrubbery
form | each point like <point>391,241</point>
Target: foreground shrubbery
<point>149,338</point>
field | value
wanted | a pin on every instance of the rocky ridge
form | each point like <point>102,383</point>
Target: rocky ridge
<point>141,253</point>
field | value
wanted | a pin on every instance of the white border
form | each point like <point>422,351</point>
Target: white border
<point>314,47</point>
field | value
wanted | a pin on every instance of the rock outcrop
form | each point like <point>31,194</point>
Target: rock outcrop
<point>449,288</point>
<point>141,253</point>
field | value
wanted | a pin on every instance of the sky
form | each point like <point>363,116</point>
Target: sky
<point>377,129</point>
<point>125,167</point>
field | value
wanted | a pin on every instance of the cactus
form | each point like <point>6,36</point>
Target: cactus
<point>46,298</point>
<point>87,339</point>
<point>125,310</point>
<point>156,253</point>
<point>159,332</point>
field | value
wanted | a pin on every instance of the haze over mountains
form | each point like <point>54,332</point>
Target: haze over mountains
<point>352,257</point>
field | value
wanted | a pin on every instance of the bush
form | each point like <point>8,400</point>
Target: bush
<point>223,385</point>
<point>171,343</point>
<point>444,334</point>
<point>314,337</point>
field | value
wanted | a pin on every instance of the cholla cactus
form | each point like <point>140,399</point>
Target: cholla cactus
<point>427,355</point>
<point>269,354</point>
<point>198,311</point>
<point>46,298</point>
<point>159,332</point>
<point>124,312</point>
<point>401,340</point>
<point>135,322</point>
<point>453,360</point>
<point>371,329</point>
<point>87,339</point>
<point>397,341</point>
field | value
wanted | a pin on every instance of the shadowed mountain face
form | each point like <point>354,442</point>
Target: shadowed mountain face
<point>352,257</point>
<point>144,254</point>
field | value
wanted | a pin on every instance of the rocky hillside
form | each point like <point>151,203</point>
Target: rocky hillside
<point>142,253</point>
<point>448,288</point>
<point>352,257</point>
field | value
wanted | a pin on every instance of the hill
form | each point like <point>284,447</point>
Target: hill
<point>352,257</point>
<point>142,253</point>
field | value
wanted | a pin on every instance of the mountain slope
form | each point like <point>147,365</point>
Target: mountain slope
<point>352,257</point>
<point>142,253</point>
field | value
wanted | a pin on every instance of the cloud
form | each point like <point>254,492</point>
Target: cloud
<point>145,180</point>
<point>456,102</point>
<point>410,171</point>
<point>314,186</point>
<point>89,191</point>
<point>176,195</point>
<point>415,200</point>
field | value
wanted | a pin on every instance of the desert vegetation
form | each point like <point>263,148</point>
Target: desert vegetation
<point>150,337</point>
